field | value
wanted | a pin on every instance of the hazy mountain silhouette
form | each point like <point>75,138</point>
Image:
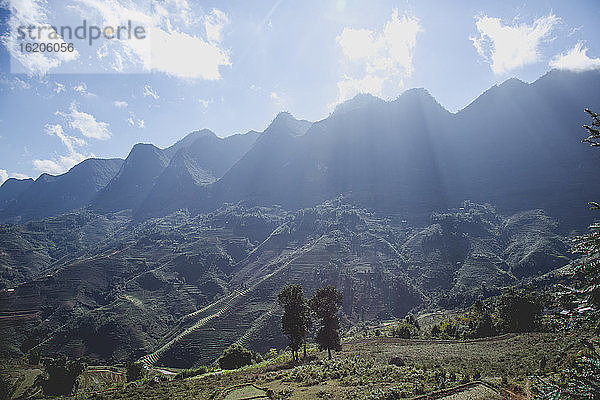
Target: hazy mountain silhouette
<point>516,146</point>
<point>134,180</point>
<point>50,195</point>
<point>11,189</point>
<point>198,160</point>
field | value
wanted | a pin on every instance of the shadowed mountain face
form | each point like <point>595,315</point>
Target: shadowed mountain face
<point>12,189</point>
<point>135,179</point>
<point>515,146</point>
<point>50,195</point>
<point>197,161</point>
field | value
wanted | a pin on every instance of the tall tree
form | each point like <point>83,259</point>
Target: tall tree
<point>589,244</point>
<point>295,321</point>
<point>325,304</point>
<point>61,376</point>
<point>520,310</point>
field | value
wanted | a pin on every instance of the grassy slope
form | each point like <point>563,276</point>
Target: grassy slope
<point>361,369</point>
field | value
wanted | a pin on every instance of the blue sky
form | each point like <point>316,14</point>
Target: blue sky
<point>230,66</point>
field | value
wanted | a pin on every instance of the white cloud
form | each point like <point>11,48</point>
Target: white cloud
<point>53,167</point>
<point>149,91</point>
<point>507,47</point>
<point>575,59</point>
<point>32,13</point>
<point>59,87</point>
<point>383,58</point>
<point>132,121</point>
<point>82,89</point>
<point>349,87</point>
<point>62,163</point>
<point>173,45</point>
<point>186,56</point>
<point>120,104</point>
<point>86,124</point>
<point>214,23</point>
<point>5,175</point>
<point>274,96</point>
<point>20,84</point>
<point>70,142</point>
<point>18,175</point>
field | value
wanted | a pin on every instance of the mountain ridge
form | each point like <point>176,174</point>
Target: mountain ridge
<point>408,155</point>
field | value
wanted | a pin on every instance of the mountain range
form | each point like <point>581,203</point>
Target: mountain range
<point>171,255</point>
<point>515,146</point>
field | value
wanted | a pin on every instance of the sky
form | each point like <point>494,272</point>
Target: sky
<point>176,66</point>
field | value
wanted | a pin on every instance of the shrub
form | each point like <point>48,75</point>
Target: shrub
<point>135,371</point>
<point>271,354</point>
<point>520,311</point>
<point>188,373</point>
<point>397,361</point>
<point>61,376</point>
<point>236,356</point>
<point>405,330</point>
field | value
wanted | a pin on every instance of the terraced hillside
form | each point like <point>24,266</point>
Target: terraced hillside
<point>178,290</point>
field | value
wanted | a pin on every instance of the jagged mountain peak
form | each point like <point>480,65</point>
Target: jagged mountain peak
<point>145,152</point>
<point>418,97</point>
<point>361,100</point>
<point>512,83</point>
<point>15,181</point>
<point>285,124</point>
<point>188,140</point>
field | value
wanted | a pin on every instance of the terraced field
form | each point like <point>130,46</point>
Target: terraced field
<point>176,291</point>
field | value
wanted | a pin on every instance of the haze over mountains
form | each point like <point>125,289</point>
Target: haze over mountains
<point>515,146</point>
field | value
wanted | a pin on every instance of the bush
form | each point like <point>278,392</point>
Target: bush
<point>188,373</point>
<point>271,354</point>
<point>236,356</point>
<point>135,371</point>
<point>405,330</point>
<point>520,311</point>
<point>61,376</point>
<point>397,361</point>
